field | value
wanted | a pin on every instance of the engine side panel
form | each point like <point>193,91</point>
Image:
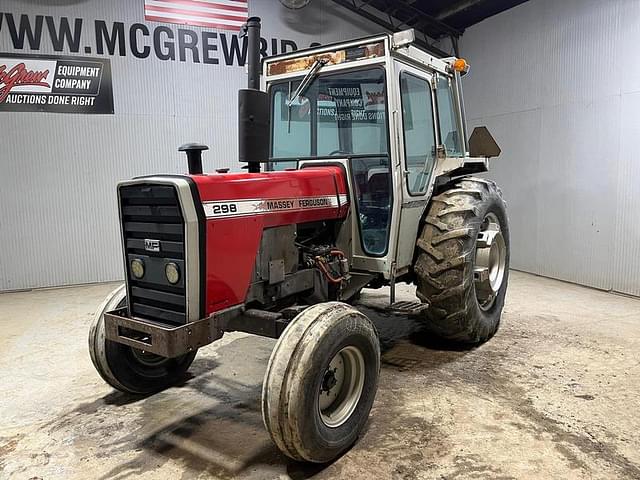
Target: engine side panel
<point>239,206</point>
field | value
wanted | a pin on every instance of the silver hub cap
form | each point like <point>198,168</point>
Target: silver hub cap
<point>341,387</point>
<point>491,260</point>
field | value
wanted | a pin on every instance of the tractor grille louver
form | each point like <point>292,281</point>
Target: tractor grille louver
<point>152,212</point>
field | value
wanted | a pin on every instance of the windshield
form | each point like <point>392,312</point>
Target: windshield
<point>340,113</point>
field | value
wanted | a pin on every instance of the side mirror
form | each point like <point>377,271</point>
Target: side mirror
<point>482,144</point>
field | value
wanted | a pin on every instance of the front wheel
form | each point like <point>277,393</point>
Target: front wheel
<point>126,368</point>
<point>321,381</point>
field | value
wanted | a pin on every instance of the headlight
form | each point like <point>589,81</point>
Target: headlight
<point>137,268</point>
<point>172,272</point>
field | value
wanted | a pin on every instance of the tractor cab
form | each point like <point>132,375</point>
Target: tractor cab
<point>391,115</point>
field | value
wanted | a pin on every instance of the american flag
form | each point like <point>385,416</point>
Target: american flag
<point>223,14</point>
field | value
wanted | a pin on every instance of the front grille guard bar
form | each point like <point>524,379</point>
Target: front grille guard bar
<point>172,341</point>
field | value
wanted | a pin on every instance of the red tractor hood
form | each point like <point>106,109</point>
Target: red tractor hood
<point>279,198</point>
<point>239,206</point>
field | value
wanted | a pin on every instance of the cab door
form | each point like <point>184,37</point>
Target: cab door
<point>417,138</point>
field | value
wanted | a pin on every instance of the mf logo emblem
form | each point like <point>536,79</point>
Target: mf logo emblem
<point>151,245</point>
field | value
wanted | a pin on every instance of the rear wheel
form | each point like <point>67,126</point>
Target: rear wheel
<point>462,266</point>
<point>126,368</point>
<point>321,381</point>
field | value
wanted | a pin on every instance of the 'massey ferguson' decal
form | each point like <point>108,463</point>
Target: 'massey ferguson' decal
<point>234,208</point>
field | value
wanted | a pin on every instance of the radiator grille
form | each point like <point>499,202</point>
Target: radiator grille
<point>151,215</point>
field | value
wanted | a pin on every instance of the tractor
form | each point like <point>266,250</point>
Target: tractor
<point>358,174</point>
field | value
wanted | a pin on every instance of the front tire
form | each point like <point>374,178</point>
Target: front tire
<point>462,266</point>
<point>129,369</point>
<point>321,381</point>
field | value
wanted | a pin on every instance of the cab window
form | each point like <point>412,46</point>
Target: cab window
<point>448,118</point>
<point>372,185</point>
<point>340,113</point>
<point>419,132</point>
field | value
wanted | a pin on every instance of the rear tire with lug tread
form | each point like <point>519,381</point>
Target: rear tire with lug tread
<point>128,369</point>
<point>462,262</point>
<point>321,382</point>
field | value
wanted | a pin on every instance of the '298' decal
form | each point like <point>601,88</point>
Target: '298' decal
<point>223,208</point>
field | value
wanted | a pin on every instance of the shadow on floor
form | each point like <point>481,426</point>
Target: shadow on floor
<point>229,439</point>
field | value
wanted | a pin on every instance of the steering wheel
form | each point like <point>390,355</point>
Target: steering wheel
<point>336,152</point>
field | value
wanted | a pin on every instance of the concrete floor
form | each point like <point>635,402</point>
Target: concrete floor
<point>555,394</point>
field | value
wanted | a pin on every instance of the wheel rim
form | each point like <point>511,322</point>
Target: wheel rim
<point>491,261</point>
<point>147,359</point>
<point>341,387</point>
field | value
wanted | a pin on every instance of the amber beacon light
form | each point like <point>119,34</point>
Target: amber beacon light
<point>460,65</point>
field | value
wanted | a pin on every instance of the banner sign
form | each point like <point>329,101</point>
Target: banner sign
<point>45,83</point>
<point>35,33</point>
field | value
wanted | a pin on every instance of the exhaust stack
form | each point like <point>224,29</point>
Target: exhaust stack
<point>252,29</point>
<point>253,105</point>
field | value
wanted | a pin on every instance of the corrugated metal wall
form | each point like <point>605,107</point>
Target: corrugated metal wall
<point>58,214</point>
<point>558,84</point>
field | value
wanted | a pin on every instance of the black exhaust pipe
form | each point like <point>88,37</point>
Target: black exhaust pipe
<point>253,105</point>
<point>252,29</point>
